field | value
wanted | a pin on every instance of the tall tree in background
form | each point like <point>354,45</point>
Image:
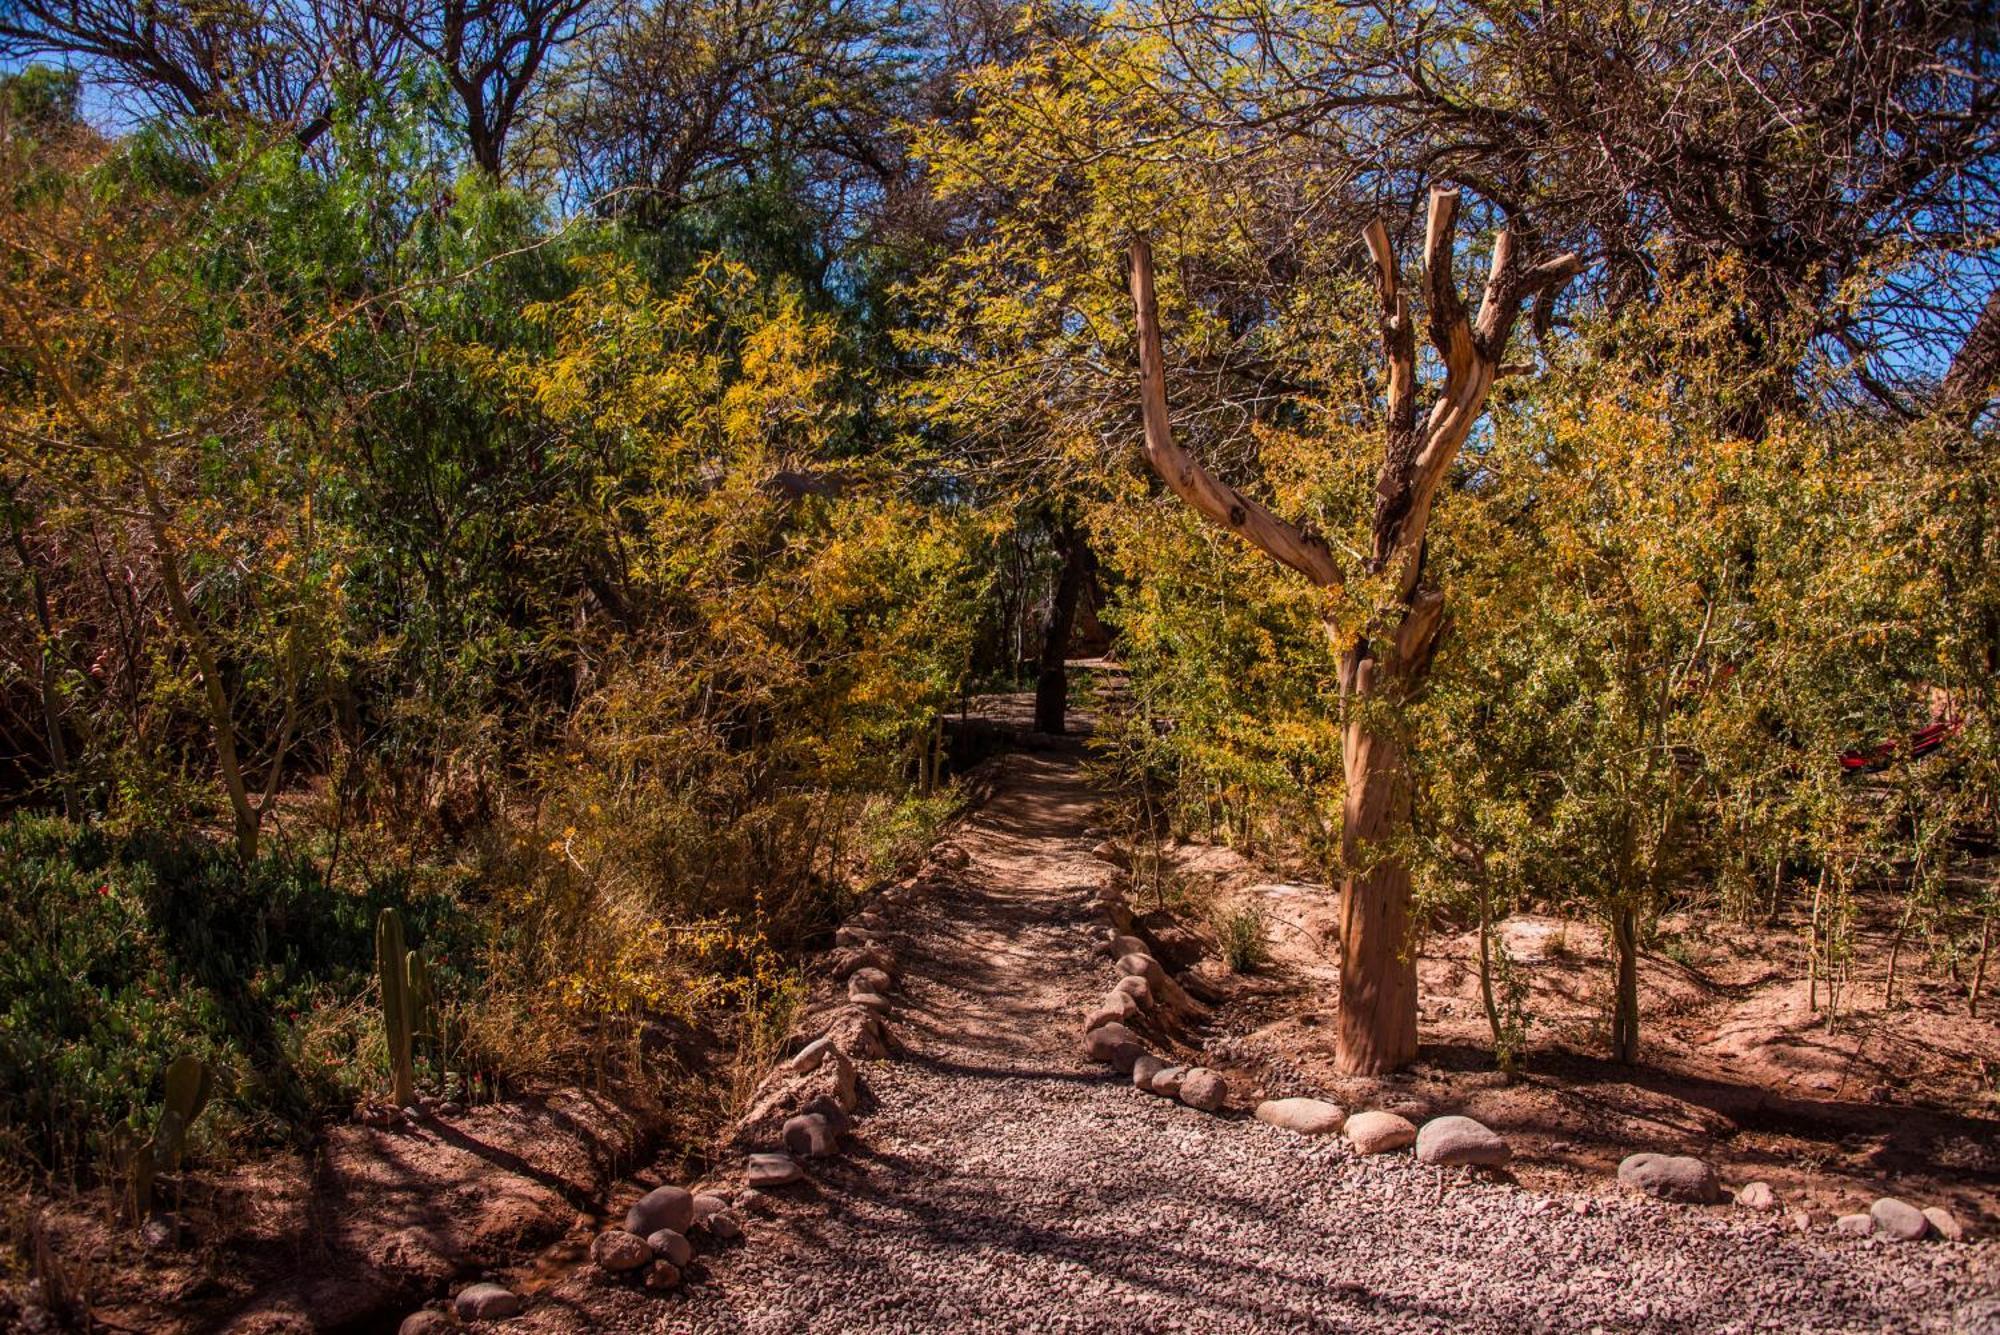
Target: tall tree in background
<point>1385,661</point>
<point>1816,156</point>
<point>267,62</point>
<point>1075,573</point>
<point>278,64</point>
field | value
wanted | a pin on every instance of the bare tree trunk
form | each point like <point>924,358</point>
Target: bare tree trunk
<point>1500,1055</point>
<point>1383,667</point>
<point>1052,681</point>
<point>1377,1022</point>
<point>1625,1000</point>
<point>1895,950</point>
<point>1376,1029</point>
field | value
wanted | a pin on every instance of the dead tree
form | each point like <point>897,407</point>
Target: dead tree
<point>1382,668</point>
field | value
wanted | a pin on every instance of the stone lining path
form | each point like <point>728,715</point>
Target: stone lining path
<point>999,1182</point>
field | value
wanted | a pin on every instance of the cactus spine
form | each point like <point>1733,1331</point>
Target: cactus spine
<point>392,965</point>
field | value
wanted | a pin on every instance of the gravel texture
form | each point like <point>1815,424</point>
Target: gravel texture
<point>998,1182</point>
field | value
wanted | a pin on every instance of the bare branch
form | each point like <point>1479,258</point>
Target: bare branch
<point>1184,474</point>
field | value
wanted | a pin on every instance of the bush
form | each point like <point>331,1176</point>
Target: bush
<point>118,955</point>
<point>896,831</point>
<point>1239,934</point>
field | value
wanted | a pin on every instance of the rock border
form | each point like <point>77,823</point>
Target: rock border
<point>1146,1002</point>
<point>803,1109</point>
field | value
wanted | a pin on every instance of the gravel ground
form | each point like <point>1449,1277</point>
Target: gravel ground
<point>999,1183</point>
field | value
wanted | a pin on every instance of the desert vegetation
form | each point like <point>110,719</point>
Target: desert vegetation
<point>508,507</point>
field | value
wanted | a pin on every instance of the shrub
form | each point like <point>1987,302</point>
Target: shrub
<point>118,955</point>
<point>1239,934</point>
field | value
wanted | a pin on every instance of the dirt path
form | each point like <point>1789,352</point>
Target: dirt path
<point>998,1182</point>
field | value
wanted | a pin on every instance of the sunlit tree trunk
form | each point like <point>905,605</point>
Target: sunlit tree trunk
<point>1383,666</point>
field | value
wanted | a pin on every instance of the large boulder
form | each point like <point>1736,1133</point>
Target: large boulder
<point>1203,1089</point>
<point>1138,989</point>
<point>869,979</point>
<point>859,1033</point>
<point>1138,964</point>
<point>1459,1141</point>
<point>1898,1219</point>
<point>1116,1008</point>
<point>1671,1177</point>
<point>662,1207</point>
<point>1379,1132</point>
<point>1111,902</point>
<point>836,1116</point>
<point>670,1246</point>
<point>846,962</point>
<point>814,1053</point>
<point>713,1216</point>
<point>1308,1117</point>
<point>1944,1223</point>
<point>1164,989</point>
<point>873,1002</point>
<point>1757,1196</point>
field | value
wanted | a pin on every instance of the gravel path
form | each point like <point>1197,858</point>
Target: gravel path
<point>999,1183</point>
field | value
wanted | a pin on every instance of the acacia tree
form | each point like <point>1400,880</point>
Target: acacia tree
<point>1385,661</point>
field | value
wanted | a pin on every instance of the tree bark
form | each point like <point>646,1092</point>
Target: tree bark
<point>1052,680</point>
<point>1376,1026</point>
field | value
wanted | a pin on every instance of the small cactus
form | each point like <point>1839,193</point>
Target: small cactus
<point>189,1083</point>
<point>405,1002</point>
<point>422,1001</point>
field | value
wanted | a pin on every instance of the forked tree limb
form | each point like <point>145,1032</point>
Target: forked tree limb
<point>1471,351</point>
<point>1183,473</point>
<point>1416,456</point>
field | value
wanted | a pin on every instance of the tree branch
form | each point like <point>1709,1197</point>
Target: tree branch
<point>1183,473</point>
